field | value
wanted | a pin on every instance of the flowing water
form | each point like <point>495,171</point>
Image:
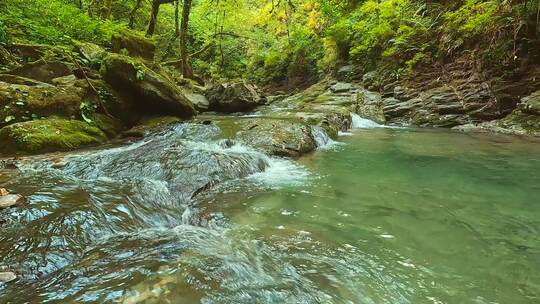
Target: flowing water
<point>385,216</point>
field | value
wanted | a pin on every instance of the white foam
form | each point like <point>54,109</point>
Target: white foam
<point>281,173</point>
<point>359,122</point>
<point>323,141</point>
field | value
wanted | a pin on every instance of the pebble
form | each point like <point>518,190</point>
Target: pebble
<point>9,200</point>
<point>6,277</point>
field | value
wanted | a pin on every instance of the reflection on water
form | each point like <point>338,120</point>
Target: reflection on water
<point>390,216</point>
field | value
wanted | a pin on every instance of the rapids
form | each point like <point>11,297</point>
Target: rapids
<point>188,216</point>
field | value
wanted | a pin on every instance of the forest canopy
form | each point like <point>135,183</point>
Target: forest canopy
<point>289,42</point>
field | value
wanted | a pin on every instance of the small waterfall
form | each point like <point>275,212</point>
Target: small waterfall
<point>362,123</point>
<point>322,139</point>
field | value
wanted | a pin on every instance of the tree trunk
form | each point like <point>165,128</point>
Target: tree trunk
<point>133,13</point>
<point>153,18</point>
<point>106,9</point>
<point>187,70</point>
<point>176,18</point>
<point>154,15</point>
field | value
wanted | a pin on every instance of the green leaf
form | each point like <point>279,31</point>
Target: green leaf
<point>140,74</point>
<point>86,118</point>
<point>9,118</point>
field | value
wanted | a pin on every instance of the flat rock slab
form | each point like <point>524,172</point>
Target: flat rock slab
<point>10,200</point>
<point>6,277</point>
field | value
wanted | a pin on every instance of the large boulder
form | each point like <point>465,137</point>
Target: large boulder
<point>48,135</point>
<point>370,106</point>
<point>524,120</point>
<point>134,44</point>
<point>281,137</point>
<point>41,70</point>
<point>150,92</point>
<point>234,97</point>
<point>93,53</point>
<point>24,102</point>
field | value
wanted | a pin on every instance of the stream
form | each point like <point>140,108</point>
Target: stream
<point>385,215</point>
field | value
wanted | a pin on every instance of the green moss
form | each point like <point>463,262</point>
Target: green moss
<point>48,135</point>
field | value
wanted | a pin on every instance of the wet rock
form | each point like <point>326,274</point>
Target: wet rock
<point>134,44</point>
<point>41,70</point>
<point>524,120</point>
<point>6,277</point>
<point>200,101</point>
<point>370,106</point>
<point>281,137</point>
<point>49,135</point>
<point>150,92</point>
<point>22,102</point>
<point>150,125</point>
<point>9,200</point>
<point>234,97</point>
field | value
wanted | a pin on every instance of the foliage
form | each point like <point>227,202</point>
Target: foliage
<point>293,42</point>
<point>53,22</point>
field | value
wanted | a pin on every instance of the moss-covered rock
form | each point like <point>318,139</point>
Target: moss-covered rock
<point>41,70</point>
<point>48,135</point>
<point>281,137</point>
<point>134,44</point>
<point>24,102</point>
<point>150,125</point>
<point>234,97</point>
<point>148,91</point>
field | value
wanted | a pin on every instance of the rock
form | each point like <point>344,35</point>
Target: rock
<point>109,125</point>
<point>200,101</point>
<point>234,97</point>
<point>134,44</point>
<point>6,277</point>
<point>91,52</point>
<point>150,125</point>
<point>370,106</point>
<point>150,92</point>
<point>3,192</point>
<point>41,70</point>
<point>5,57</point>
<point>531,104</point>
<point>10,200</point>
<point>31,52</point>
<point>281,137</point>
<point>23,102</point>
<point>65,80</point>
<point>49,135</point>
<point>341,87</point>
<point>345,73</point>
<point>371,79</point>
<point>14,79</point>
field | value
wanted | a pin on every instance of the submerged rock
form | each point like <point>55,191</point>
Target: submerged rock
<point>281,137</point>
<point>134,44</point>
<point>49,135</point>
<point>10,200</point>
<point>147,90</point>
<point>234,97</point>
<point>6,277</point>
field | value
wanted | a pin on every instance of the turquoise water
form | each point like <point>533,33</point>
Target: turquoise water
<point>385,216</point>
